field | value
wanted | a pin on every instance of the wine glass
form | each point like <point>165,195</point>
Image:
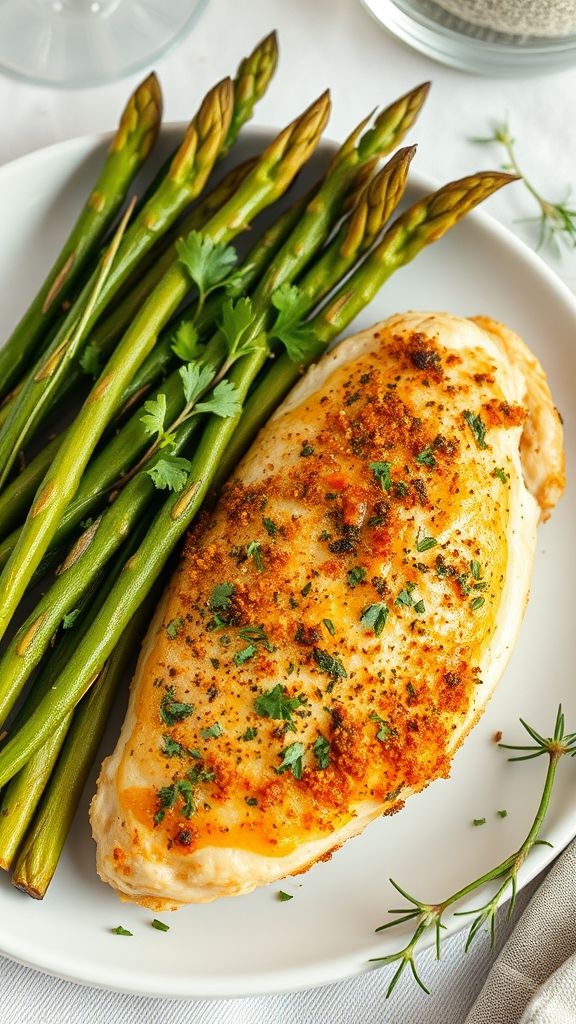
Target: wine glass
<point>87,42</point>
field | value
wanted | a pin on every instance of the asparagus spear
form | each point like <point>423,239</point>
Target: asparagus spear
<point>424,223</point>
<point>103,538</point>
<point>130,146</point>
<point>22,795</point>
<point>250,83</point>
<point>40,853</point>
<point>269,179</point>
<point>186,179</point>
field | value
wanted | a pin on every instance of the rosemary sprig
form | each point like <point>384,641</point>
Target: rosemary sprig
<point>429,915</point>
<point>557,220</point>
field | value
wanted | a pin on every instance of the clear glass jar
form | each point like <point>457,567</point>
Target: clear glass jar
<point>540,35</point>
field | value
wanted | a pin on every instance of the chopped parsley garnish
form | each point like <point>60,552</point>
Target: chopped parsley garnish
<point>329,626</point>
<point>321,751</point>
<point>411,689</point>
<point>330,664</point>
<point>220,597</point>
<point>245,654</point>
<point>502,814</point>
<point>477,426</point>
<point>173,749</point>
<point>501,474</point>
<point>172,710</point>
<point>251,801</point>
<point>183,788</point>
<point>385,732</point>
<point>381,471</point>
<point>405,596</point>
<point>70,618</point>
<point>424,542</point>
<point>306,450</point>
<point>254,550</point>
<point>356,575</point>
<point>173,628</point>
<point>212,732</point>
<point>306,589</point>
<point>257,635</point>
<point>283,897</point>
<point>426,457</point>
<point>400,489</point>
<point>276,704</point>
<point>475,569</point>
<point>479,821</point>
<point>476,603</point>
<point>292,760</point>
<point>120,931</point>
<point>374,617</point>
<point>269,526</point>
<point>160,926</point>
<point>420,607</point>
<point>250,733</point>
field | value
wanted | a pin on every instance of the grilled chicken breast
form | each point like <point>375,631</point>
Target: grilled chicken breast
<point>339,621</point>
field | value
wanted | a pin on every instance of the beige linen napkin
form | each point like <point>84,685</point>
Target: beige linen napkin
<point>534,979</point>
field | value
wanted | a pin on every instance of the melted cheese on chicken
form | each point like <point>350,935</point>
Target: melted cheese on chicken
<point>339,621</point>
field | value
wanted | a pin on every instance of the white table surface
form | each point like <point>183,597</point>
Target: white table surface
<point>323,43</point>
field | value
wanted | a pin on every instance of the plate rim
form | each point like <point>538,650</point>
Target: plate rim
<point>335,969</point>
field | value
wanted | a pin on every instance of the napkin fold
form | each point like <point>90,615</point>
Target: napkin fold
<point>534,978</point>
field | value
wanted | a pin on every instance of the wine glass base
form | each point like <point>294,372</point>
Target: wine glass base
<point>74,43</point>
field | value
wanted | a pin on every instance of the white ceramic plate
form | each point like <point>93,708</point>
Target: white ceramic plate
<point>255,944</point>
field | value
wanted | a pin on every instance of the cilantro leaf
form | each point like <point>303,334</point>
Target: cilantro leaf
<point>254,550</point>
<point>245,654</point>
<point>172,710</point>
<point>173,628</point>
<point>501,474</point>
<point>195,380</point>
<point>237,319</point>
<point>424,542</point>
<point>153,420</point>
<point>220,596</point>
<point>374,617</point>
<point>477,426</point>
<point>356,575</point>
<point>321,750</point>
<point>276,704</point>
<point>426,457</point>
<point>292,760</point>
<point>172,748</point>
<point>212,732</point>
<point>208,263</point>
<point>185,343</point>
<point>91,361</point>
<point>381,471</point>
<point>223,401</point>
<point>330,664</point>
<point>70,618</point>
<point>170,473</point>
<point>385,732</point>
<point>296,335</point>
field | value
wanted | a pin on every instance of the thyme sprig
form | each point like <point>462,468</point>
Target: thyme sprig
<point>557,220</point>
<point>429,915</point>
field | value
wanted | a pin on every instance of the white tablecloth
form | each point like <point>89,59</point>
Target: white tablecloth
<point>335,43</point>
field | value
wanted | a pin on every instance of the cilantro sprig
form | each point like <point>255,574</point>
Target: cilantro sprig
<point>290,327</point>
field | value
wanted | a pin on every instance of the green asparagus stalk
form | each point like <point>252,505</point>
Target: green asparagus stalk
<point>103,538</point>
<point>22,795</point>
<point>273,173</point>
<point>43,845</point>
<point>103,471</point>
<point>186,179</point>
<point>424,223</point>
<point>250,83</point>
<point>130,146</point>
